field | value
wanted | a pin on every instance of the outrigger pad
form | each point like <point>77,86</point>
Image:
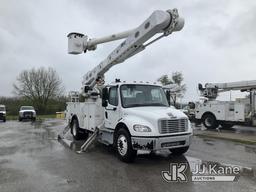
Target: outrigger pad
<point>63,133</point>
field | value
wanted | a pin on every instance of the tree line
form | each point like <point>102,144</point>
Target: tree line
<point>43,89</point>
<point>13,105</point>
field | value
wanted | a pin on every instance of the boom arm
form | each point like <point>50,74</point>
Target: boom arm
<point>164,22</point>
<point>211,90</point>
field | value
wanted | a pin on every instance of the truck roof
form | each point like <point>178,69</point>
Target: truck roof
<point>134,83</point>
<point>2,105</point>
<point>26,106</point>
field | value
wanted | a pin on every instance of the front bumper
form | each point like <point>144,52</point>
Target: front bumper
<point>27,115</point>
<point>161,142</point>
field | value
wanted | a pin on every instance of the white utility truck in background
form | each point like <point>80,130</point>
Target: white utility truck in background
<point>130,116</point>
<point>226,113</point>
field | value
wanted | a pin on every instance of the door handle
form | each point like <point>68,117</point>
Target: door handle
<point>113,109</point>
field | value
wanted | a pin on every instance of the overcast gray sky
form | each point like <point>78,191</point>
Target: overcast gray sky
<point>217,44</point>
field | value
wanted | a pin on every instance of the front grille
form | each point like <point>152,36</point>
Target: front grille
<point>28,114</point>
<point>173,125</point>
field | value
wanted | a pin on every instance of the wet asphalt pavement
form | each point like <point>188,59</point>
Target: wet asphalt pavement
<point>32,159</point>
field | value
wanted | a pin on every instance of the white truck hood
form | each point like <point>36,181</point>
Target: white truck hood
<point>155,112</point>
<point>22,111</point>
<point>150,116</point>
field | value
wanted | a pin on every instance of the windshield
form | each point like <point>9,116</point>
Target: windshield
<point>142,95</point>
<point>27,108</point>
<point>2,108</point>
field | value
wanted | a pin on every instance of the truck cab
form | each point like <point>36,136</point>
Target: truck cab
<point>135,116</point>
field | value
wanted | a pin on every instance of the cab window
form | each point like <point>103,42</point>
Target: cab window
<point>113,96</point>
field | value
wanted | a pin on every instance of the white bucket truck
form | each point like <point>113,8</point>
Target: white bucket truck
<point>130,116</point>
<point>213,113</point>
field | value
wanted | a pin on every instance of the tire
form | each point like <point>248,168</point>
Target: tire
<point>179,151</point>
<point>34,119</point>
<point>77,133</point>
<point>210,122</point>
<point>4,120</point>
<point>20,119</point>
<point>123,146</point>
<point>227,125</point>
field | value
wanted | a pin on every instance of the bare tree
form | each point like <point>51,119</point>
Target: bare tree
<point>39,85</point>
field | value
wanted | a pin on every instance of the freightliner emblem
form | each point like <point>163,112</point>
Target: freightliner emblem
<point>171,115</point>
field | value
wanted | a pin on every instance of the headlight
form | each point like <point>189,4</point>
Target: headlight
<point>141,128</point>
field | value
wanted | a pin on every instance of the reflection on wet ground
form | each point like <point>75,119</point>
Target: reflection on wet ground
<point>238,129</point>
<point>32,159</point>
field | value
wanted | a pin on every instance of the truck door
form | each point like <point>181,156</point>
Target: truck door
<point>112,111</point>
<point>239,112</point>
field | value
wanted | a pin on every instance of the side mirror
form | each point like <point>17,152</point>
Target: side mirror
<point>200,87</point>
<point>168,95</point>
<point>105,97</point>
<point>104,103</point>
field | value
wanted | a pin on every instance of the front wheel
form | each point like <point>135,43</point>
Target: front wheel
<point>123,145</point>
<point>179,151</point>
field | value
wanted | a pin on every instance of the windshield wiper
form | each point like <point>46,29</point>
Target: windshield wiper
<point>135,105</point>
<point>146,104</point>
<point>158,104</point>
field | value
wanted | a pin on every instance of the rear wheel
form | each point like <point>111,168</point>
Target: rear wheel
<point>123,146</point>
<point>76,131</point>
<point>210,122</point>
<point>4,120</point>
<point>20,119</point>
<point>179,151</point>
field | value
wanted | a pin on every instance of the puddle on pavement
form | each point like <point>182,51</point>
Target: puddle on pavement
<point>43,129</point>
<point>237,129</point>
<point>73,145</point>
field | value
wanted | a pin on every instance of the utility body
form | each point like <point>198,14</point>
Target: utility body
<point>130,116</point>
<point>226,113</point>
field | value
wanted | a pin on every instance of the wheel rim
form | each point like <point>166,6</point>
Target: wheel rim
<point>74,129</point>
<point>122,145</point>
<point>208,121</point>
